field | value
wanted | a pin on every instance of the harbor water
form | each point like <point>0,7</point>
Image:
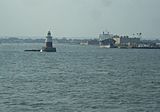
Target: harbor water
<point>79,79</point>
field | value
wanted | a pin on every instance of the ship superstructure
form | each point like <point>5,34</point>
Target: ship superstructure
<point>106,40</point>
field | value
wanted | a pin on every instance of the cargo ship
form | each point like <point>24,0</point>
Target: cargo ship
<point>106,40</point>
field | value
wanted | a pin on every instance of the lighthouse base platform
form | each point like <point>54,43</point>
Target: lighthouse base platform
<point>33,50</point>
<point>45,49</point>
<point>42,50</point>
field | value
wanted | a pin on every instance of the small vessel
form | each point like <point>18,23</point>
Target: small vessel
<point>41,50</point>
<point>105,46</point>
<point>84,43</point>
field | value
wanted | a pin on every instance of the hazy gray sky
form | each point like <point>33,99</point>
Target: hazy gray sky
<point>79,18</point>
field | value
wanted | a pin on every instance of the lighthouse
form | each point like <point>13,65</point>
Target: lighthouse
<point>49,40</point>
<point>48,44</point>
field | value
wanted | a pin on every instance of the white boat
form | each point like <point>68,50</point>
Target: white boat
<point>84,43</point>
<point>105,46</point>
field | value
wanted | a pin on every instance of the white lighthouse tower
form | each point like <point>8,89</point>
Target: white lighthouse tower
<point>48,40</point>
<point>48,44</point>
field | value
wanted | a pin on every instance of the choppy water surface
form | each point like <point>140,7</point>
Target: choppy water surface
<point>79,79</point>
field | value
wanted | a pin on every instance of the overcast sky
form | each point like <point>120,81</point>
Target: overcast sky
<point>79,18</point>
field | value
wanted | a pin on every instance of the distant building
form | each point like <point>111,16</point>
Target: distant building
<point>126,41</point>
